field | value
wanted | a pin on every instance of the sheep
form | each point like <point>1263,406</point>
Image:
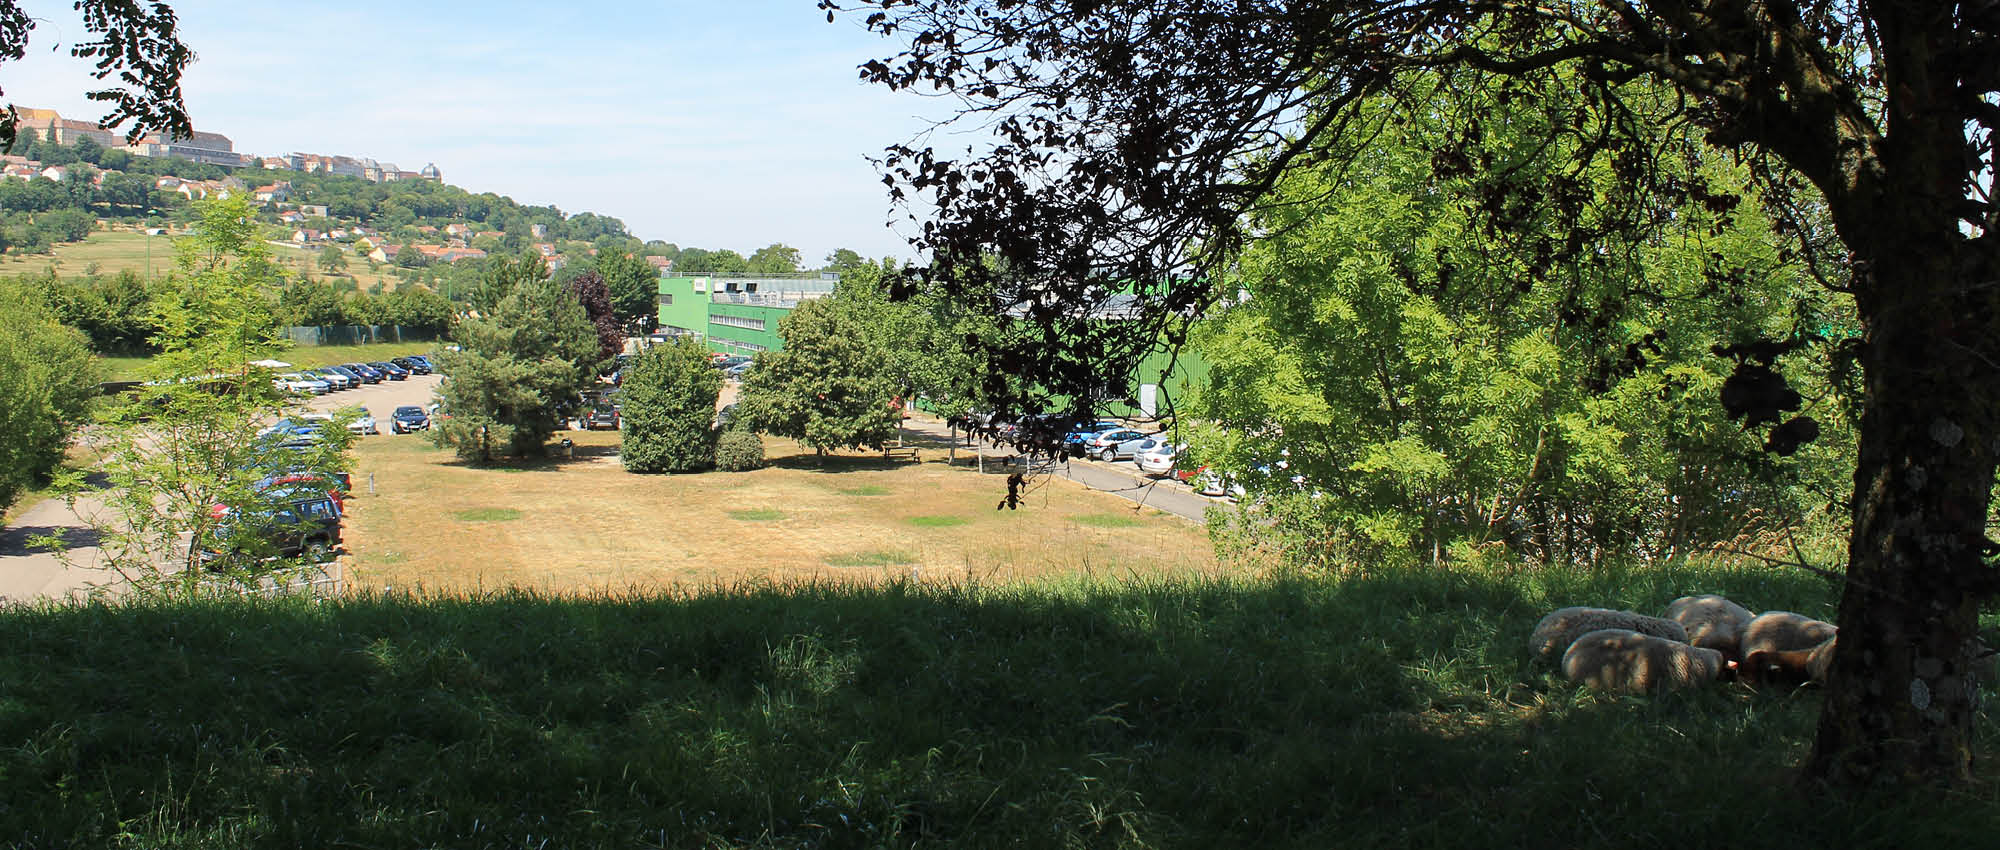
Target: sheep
<point>1627,661</point>
<point>1712,622</point>
<point>1564,625</point>
<point>1782,631</point>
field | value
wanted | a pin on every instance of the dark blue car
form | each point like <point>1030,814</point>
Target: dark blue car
<point>409,418</point>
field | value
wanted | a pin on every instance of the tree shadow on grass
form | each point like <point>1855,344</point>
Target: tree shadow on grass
<point>1393,711</point>
<point>555,461</point>
<point>836,463</point>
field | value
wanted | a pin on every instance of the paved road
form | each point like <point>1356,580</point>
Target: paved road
<point>1122,479</point>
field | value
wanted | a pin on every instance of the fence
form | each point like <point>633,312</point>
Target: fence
<point>358,334</point>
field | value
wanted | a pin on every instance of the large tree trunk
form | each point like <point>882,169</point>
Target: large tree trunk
<point>1901,695</point>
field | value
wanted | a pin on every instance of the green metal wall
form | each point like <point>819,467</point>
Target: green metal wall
<point>740,340</point>
<point>689,309</point>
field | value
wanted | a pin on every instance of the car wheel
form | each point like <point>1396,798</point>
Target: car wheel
<point>1108,455</point>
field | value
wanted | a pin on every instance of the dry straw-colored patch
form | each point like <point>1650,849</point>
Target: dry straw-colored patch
<point>585,525</point>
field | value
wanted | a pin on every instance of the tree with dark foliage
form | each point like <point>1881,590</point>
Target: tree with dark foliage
<point>1135,139</point>
<point>591,292</point>
<point>138,42</point>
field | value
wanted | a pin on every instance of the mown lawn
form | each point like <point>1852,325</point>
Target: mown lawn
<point>304,357</point>
<point>1394,710</point>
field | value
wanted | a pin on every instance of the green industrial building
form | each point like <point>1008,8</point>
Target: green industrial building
<point>736,314</point>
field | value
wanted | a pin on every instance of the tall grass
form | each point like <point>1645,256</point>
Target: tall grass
<point>1394,711</point>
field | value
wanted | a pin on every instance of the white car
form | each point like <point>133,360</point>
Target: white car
<point>302,384</point>
<point>364,423</point>
<point>1159,460</point>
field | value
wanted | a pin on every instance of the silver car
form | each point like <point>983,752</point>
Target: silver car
<point>1124,442</point>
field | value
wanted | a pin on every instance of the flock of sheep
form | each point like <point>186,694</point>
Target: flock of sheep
<point>1701,639</point>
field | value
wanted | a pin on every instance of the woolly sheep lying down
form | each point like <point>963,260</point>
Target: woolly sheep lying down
<point>1563,626</point>
<point>1712,622</point>
<point>1783,631</point>
<point>1627,661</point>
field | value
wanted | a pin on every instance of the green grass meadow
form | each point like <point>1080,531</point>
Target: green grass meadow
<point>1397,710</point>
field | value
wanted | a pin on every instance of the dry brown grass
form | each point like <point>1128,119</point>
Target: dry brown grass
<point>587,526</point>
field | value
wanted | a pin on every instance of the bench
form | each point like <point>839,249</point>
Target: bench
<point>899,451</point>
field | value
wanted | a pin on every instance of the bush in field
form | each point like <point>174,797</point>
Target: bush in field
<point>670,394</point>
<point>47,379</point>
<point>739,450</point>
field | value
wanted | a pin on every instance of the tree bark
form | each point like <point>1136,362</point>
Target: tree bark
<point>1901,694</point>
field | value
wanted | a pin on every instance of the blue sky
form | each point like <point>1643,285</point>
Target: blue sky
<point>729,124</point>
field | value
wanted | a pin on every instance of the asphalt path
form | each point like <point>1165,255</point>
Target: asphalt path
<point>1122,479</point>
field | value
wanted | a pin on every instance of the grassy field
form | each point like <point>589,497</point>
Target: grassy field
<point>307,356</point>
<point>1392,710</point>
<point>113,251</point>
<point>587,525</point>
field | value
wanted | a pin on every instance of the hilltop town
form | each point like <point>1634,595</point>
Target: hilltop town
<point>211,148</point>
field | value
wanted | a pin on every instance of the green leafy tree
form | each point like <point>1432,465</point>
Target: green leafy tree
<point>188,443</point>
<point>521,365</point>
<point>776,258</point>
<point>47,380</point>
<point>833,385</point>
<point>634,287</point>
<point>669,408</point>
<point>1474,413</point>
<point>332,260</point>
<point>845,261</point>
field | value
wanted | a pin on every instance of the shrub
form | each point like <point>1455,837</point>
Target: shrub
<point>670,393</point>
<point>738,451</point>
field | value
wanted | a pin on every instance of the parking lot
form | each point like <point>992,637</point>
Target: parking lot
<point>380,399</point>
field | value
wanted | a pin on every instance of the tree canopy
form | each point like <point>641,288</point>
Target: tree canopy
<point>1135,142</point>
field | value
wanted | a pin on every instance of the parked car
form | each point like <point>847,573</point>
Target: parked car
<point>737,371</point>
<point>1077,437</point>
<point>409,418</point>
<point>1118,443</point>
<point>339,380</point>
<point>423,362</point>
<point>288,519</point>
<point>367,372</point>
<point>395,372</point>
<point>303,384</point>
<point>354,377</point>
<point>1158,461</point>
<point>600,415</point>
<point>363,422</point>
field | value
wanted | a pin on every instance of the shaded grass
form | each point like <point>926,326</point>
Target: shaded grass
<point>871,558</point>
<point>487,515</point>
<point>1397,710</point>
<point>757,514</point>
<point>937,521</point>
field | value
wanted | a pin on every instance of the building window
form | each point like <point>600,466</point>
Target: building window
<point>667,300</point>
<point>737,322</point>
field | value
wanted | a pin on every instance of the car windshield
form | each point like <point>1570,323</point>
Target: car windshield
<point>409,410</point>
